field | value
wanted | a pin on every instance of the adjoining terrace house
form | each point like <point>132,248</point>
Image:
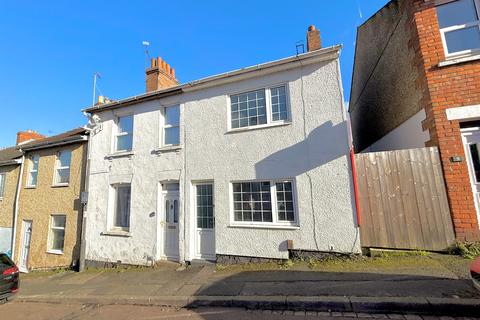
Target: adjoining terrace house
<point>10,160</point>
<point>48,222</point>
<point>230,166</point>
<point>10,167</point>
<point>416,83</point>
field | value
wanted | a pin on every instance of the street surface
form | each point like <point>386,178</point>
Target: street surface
<point>52,311</point>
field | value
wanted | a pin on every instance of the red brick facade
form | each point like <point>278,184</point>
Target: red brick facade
<point>445,87</point>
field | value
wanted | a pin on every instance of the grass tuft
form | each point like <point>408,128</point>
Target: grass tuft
<point>468,250</point>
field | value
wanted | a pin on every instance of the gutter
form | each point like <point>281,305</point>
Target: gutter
<point>10,162</point>
<point>15,210</point>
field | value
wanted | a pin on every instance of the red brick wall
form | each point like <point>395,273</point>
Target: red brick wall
<point>28,135</point>
<point>446,87</point>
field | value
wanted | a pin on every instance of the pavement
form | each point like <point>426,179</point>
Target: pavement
<point>420,285</point>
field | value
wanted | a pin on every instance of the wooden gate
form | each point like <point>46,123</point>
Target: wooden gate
<point>403,201</point>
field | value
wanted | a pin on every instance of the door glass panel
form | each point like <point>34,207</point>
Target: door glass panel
<point>167,210</point>
<point>474,151</point>
<point>175,211</point>
<point>205,216</point>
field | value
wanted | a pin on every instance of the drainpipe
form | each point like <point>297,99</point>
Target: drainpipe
<point>355,185</point>
<point>81,263</point>
<point>15,212</point>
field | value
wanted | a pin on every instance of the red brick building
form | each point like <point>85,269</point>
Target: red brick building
<point>416,83</point>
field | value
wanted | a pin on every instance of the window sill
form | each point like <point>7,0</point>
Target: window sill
<point>458,60</point>
<point>115,233</point>
<point>265,226</point>
<point>60,185</point>
<point>167,149</point>
<point>30,187</point>
<point>262,126</point>
<point>57,252</point>
<point>119,155</point>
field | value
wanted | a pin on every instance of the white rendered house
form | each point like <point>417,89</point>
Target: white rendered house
<point>235,164</point>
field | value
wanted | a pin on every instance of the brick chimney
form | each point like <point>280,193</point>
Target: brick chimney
<point>160,75</point>
<point>313,39</point>
<point>27,136</point>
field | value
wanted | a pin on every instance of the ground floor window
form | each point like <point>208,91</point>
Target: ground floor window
<point>121,209</point>
<point>57,233</point>
<point>264,202</point>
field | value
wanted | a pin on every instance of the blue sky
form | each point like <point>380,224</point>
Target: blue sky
<point>50,49</point>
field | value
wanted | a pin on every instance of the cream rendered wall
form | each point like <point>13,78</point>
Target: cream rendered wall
<point>210,152</point>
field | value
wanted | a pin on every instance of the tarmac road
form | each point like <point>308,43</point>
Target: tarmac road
<point>53,311</point>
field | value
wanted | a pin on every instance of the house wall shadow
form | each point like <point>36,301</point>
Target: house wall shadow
<point>323,145</point>
<point>335,284</point>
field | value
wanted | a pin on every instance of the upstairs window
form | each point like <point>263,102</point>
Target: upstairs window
<point>62,168</point>
<point>33,171</point>
<point>124,135</point>
<point>171,127</point>
<point>460,27</point>
<point>3,176</point>
<point>259,107</point>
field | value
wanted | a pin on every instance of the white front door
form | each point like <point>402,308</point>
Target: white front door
<point>25,246</point>
<point>471,142</point>
<point>204,222</point>
<point>171,232</point>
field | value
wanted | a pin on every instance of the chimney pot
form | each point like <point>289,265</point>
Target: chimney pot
<point>313,39</point>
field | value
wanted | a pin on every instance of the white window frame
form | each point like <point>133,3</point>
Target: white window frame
<point>166,126</point>
<point>50,233</point>
<point>117,132</point>
<point>268,105</point>
<point>443,31</point>
<point>113,207</point>
<point>3,183</point>
<point>273,198</point>
<point>30,170</point>
<point>58,167</point>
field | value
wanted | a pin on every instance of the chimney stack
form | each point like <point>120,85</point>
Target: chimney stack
<point>27,136</point>
<point>160,75</point>
<point>313,39</point>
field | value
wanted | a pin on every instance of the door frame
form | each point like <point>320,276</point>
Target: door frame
<point>21,267</point>
<point>193,224</point>
<point>161,221</point>
<point>467,132</point>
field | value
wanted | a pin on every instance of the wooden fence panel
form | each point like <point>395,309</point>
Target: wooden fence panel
<point>403,201</point>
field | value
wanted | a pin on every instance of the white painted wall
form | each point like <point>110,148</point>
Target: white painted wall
<point>408,135</point>
<point>211,153</point>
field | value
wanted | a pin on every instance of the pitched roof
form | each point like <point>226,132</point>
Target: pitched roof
<point>9,155</point>
<point>72,136</point>
<point>324,54</point>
